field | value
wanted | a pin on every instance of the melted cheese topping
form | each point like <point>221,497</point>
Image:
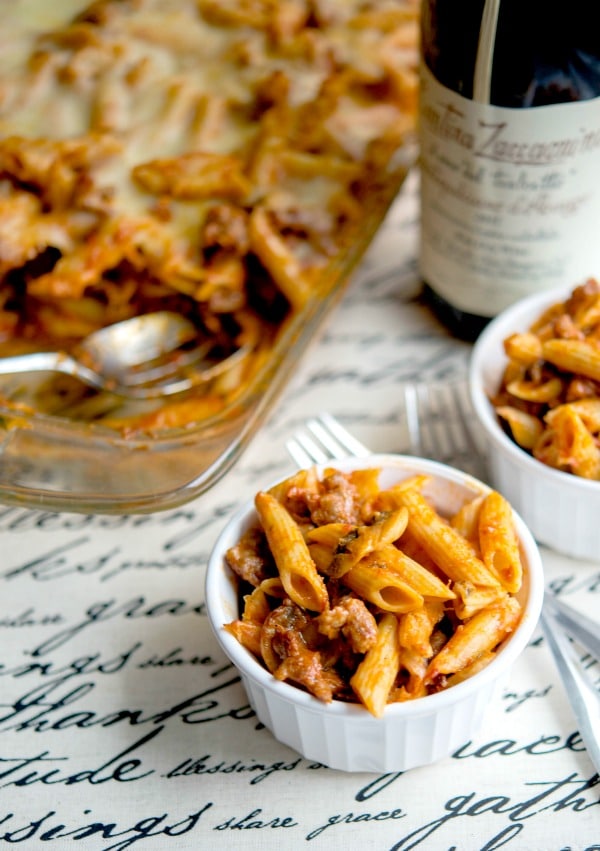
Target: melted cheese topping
<point>160,149</point>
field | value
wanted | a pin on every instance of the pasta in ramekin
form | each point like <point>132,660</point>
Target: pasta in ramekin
<point>560,508</point>
<point>549,395</point>
<point>388,681</point>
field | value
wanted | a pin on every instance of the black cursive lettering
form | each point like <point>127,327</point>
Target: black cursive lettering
<point>27,771</point>
<point>144,828</point>
<point>355,818</point>
<point>251,822</point>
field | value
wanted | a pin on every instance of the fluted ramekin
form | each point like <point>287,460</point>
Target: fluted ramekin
<point>344,735</point>
<point>561,510</point>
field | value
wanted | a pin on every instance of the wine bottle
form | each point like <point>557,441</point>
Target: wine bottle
<point>509,124</point>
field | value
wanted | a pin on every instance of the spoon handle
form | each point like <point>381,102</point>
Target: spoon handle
<point>585,630</point>
<point>583,697</point>
<point>49,362</point>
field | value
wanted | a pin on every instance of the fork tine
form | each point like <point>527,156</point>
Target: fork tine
<point>327,440</point>
<point>423,421</point>
<point>325,426</point>
<point>438,426</point>
<point>466,416</point>
<point>305,451</point>
<point>411,410</point>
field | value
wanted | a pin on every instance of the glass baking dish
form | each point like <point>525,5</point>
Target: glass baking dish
<point>60,464</point>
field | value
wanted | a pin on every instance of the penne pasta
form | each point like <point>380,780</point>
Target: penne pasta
<point>423,599</point>
<point>373,580</point>
<point>525,428</point>
<point>499,543</point>
<point>203,157</point>
<point>248,633</point>
<point>373,679</point>
<point>532,391</point>
<point>549,397</point>
<point>472,598</point>
<point>588,409</point>
<point>415,628</point>
<point>195,175</point>
<point>466,520</point>
<point>297,570</point>
<point>579,356</point>
<point>355,542</point>
<point>257,605</point>
<point>410,571</point>
<point>576,447</point>
<point>525,348</point>
<point>453,553</point>
<point>480,634</point>
<point>304,482</point>
<point>268,244</point>
<point>484,659</point>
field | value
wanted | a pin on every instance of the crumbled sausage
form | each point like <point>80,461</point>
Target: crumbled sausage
<point>338,503</point>
<point>352,618</point>
<point>250,558</point>
<point>283,631</point>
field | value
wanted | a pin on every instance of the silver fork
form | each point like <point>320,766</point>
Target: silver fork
<point>438,427</point>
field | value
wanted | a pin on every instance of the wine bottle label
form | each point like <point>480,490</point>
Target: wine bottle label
<point>510,197</point>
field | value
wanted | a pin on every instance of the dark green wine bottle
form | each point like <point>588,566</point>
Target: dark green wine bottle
<point>509,128</point>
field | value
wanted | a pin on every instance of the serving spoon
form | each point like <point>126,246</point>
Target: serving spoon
<point>145,357</point>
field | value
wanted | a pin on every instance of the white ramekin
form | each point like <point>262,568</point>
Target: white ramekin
<point>346,736</point>
<point>562,510</point>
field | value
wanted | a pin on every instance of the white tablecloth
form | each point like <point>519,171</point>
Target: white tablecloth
<point>121,723</point>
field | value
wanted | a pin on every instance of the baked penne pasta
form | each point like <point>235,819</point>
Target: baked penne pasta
<point>210,158</point>
<point>472,598</point>
<point>373,679</point>
<point>415,665</point>
<point>498,542</point>
<point>396,625</point>
<point>480,634</point>
<point>531,391</point>
<point>588,409</point>
<point>549,397</point>
<point>468,671</point>
<point>349,544</point>
<point>525,428</point>
<point>524,348</point>
<point>578,356</point>
<point>574,446</point>
<point>256,605</point>
<point>415,628</point>
<point>466,520</point>
<point>297,570</point>
<point>379,584</point>
<point>455,556</point>
<point>414,574</point>
<point>248,633</point>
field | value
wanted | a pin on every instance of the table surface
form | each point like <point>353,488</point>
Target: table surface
<point>123,725</point>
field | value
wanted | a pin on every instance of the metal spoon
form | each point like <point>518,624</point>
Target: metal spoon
<point>139,358</point>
